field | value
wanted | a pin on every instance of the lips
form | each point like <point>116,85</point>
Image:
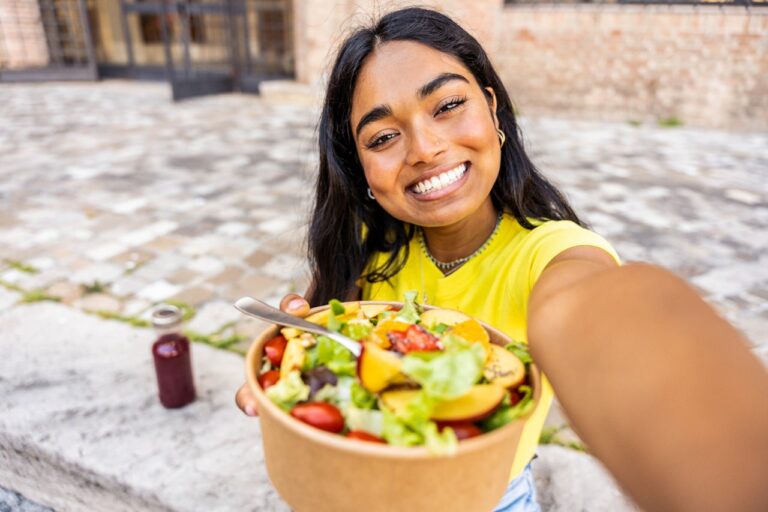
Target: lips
<point>440,181</point>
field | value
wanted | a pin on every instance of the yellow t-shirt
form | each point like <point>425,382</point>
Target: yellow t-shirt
<point>494,287</point>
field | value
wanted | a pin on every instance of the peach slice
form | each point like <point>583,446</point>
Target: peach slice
<point>504,368</point>
<point>374,310</point>
<point>432,317</point>
<point>293,357</point>
<point>478,403</point>
<point>321,317</point>
<point>376,367</point>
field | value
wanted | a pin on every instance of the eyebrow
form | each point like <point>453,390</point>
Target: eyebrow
<point>382,111</point>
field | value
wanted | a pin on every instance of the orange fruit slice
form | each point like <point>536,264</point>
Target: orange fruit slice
<point>472,331</point>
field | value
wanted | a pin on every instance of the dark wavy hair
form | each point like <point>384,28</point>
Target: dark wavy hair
<point>339,248</point>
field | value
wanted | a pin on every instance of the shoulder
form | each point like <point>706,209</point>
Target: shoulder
<point>549,240</point>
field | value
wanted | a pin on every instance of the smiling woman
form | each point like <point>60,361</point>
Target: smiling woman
<point>423,184</point>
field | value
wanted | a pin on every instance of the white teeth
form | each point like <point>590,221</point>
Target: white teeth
<point>441,181</point>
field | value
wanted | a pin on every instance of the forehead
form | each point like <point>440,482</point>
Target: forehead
<point>396,70</point>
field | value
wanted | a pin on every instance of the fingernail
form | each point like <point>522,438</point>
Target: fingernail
<point>250,410</point>
<point>296,304</point>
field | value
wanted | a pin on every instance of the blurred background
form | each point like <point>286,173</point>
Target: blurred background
<point>164,151</point>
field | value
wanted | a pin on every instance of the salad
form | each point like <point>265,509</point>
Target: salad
<point>424,378</point>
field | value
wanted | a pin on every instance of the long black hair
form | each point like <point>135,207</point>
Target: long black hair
<point>338,244</point>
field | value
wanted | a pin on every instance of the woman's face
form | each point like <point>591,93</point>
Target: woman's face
<point>425,133</point>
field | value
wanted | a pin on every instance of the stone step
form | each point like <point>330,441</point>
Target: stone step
<point>81,428</point>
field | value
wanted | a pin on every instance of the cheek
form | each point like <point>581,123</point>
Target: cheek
<point>381,169</point>
<point>476,131</point>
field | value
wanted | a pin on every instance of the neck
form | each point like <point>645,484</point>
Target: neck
<point>447,243</point>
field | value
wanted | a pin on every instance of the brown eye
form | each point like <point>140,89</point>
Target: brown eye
<point>378,141</point>
<point>451,104</point>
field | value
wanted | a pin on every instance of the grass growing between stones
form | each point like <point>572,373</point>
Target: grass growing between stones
<point>20,266</point>
<point>670,122</point>
<point>31,296</point>
<point>95,287</point>
<point>12,287</point>
<point>550,435</point>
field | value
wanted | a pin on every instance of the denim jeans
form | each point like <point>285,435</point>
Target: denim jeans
<point>520,495</point>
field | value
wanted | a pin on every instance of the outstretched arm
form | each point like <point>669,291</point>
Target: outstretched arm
<point>664,391</point>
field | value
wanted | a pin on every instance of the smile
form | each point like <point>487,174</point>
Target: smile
<point>440,181</point>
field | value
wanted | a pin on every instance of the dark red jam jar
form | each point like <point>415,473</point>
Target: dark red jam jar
<point>173,361</point>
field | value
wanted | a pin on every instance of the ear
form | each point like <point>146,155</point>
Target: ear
<point>490,95</point>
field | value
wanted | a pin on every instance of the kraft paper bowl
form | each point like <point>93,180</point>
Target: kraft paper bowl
<point>315,471</point>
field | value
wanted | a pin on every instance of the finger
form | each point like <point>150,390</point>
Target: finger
<point>295,305</point>
<point>246,401</point>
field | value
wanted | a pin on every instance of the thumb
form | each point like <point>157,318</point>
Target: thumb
<point>294,304</point>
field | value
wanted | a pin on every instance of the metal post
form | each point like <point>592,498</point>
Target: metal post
<point>89,50</point>
<point>128,38</point>
<point>167,43</point>
<point>234,43</point>
<point>186,38</point>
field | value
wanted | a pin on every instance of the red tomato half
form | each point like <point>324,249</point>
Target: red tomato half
<point>415,339</point>
<point>274,349</point>
<point>462,429</point>
<point>269,378</point>
<point>320,415</point>
<point>362,435</point>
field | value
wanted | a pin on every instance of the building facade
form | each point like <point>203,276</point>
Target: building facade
<point>700,63</point>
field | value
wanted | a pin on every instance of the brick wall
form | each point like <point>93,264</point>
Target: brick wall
<point>706,66</point>
<point>22,38</point>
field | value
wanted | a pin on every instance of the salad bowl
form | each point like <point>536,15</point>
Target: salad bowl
<point>318,471</point>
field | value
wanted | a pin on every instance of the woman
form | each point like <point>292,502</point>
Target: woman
<point>424,184</point>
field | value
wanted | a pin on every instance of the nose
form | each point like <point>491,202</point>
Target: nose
<point>424,145</point>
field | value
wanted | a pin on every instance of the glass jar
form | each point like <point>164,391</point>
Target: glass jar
<point>173,361</point>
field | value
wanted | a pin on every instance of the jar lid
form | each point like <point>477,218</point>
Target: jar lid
<point>166,315</point>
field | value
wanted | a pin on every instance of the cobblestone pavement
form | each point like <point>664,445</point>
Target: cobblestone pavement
<point>113,198</point>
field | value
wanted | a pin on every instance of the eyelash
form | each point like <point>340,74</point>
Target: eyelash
<point>453,103</point>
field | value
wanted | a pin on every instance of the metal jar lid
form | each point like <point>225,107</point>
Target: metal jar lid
<point>165,316</point>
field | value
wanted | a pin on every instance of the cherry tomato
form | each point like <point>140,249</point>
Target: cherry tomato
<point>320,415</point>
<point>274,349</point>
<point>462,429</point>
<point>269,378</point>
<point>362,435</point>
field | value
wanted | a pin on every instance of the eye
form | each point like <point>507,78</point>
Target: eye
<point>451,104</point>
<point>383,139</point>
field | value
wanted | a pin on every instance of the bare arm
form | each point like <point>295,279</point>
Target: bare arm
<point>664,391</point>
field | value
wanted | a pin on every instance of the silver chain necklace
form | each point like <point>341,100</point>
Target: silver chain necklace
<point>448,267</point>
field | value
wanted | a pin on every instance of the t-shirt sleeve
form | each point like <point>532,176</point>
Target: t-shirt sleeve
<point>551,238</point>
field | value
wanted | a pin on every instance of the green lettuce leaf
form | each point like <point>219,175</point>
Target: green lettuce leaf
<point>357,329</point>
<point>336,309</point>
<point>410,311</point>
<point>369,420</point>
<point>506,413</point>
<point>288,391</point>
<point>449,373</point>
<point>361,397</point>
<point>520,350</point>
<point>333,355</point>
<point>415,428</point>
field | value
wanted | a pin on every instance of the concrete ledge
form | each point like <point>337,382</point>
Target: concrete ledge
<point>81,428</point>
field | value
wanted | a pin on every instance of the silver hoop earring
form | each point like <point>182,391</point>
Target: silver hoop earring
<point>370,194</point>
<point>502,137</point>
